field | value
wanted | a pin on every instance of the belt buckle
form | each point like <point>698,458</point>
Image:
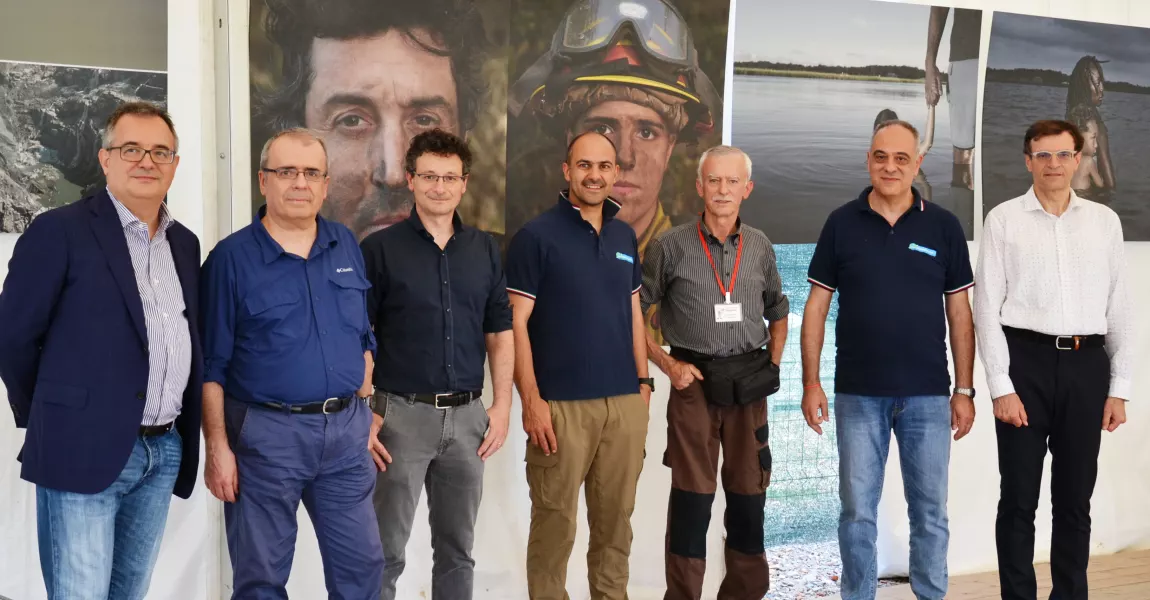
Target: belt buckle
<point>437,396</point>
<point>324,408</point>
<point>1058,342</point>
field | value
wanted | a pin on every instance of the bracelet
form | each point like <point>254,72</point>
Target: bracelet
<point>812,386</point>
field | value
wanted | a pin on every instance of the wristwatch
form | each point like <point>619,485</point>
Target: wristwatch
<point>650,381</point>
<point>969,392</point>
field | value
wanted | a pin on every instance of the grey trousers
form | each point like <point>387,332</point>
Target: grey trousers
<point>437,448</point>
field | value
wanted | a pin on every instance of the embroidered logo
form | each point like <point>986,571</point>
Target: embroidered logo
<point>923,249</point>
<point>344,270</point>
<point>621,256</point>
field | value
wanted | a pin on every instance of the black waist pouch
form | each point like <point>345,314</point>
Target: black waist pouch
<point>740,379</point>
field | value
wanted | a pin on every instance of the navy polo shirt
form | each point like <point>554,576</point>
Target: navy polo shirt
<point>891,327</point>
<point>432,307</point>
<point>582,283</point>
<point>281,328</point>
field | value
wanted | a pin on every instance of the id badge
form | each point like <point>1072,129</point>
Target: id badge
<point>728,312</point>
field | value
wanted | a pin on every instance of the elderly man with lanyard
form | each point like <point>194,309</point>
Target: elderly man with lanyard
<point>717,285</point>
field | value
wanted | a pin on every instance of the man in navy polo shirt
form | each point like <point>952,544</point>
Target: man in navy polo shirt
<point>581,370</point>
<point>893,258</point>
<point>288,355</point>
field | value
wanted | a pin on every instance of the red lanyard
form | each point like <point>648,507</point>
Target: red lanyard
<point>734,272</point>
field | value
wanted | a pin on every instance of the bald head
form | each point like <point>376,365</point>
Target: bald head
<point>591,168</point>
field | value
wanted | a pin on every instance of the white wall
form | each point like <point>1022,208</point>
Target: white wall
<point>193,561</point>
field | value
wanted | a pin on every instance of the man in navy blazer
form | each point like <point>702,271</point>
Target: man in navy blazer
<point>101,357</point>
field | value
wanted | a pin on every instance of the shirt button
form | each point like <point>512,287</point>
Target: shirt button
<point>331,368</point>
<point>140,395</point>
<point>165,315</point>
<point>324,332</point>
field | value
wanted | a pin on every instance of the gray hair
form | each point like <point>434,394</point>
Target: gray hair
<point>140,109</point>
<point>896,123</point>
<point>723,151</point>
<point>299,133</point>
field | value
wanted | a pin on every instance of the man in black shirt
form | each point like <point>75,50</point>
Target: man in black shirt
<point>438,302</point>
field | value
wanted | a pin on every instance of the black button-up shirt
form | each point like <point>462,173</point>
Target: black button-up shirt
<point>431,308</point>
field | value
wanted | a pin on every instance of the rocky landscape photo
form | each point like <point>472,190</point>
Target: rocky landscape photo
<point>51,118</point>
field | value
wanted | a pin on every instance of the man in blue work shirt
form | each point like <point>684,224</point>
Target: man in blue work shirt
<point>438,303</point>
<point>581,369</point>
<point>902,270</point>
<point>288,357</point>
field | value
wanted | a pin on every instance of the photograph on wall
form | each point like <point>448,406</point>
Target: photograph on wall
<point>809,90</point>
<point>368,76</point>
<point>51,123</point>
<point>648,74</point>
<point>1094,75</point>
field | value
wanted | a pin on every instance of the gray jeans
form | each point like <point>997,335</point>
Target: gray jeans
<point>439,448</point>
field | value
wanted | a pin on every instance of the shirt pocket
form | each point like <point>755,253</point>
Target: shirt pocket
<point>271,317</point>
<point>350,290</point>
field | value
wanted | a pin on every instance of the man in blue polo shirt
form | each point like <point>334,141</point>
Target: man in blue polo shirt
<point>581,370</point>
<point>901,268</point>
<point>288,357</point>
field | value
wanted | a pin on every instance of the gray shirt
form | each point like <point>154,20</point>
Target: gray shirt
<point>169,340</point>
<point>679,278</point>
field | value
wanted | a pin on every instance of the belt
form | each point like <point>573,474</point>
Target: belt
<point>1061,342</point>
<point>154,430</point>
<point>327,407</point>
<point>444,400</point>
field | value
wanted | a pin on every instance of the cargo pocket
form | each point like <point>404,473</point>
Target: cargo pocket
<point>543,478</point>
<point>762,436</point>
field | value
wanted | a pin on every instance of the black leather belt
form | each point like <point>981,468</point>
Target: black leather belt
<point>1061,342</point>
<point>327,407</point>
<point>444,400</point>
<point>154,430</point>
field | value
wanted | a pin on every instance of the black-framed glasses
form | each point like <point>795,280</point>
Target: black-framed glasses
<point>131,153</point>
<point>1061,155</point>
<point>290,173</point>
<point>432,178</point>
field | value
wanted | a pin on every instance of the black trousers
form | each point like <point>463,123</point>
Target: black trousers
<point>1064,393</point>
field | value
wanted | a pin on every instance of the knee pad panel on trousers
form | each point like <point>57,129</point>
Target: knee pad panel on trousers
<point>744,520</point>
<point>687,522</point>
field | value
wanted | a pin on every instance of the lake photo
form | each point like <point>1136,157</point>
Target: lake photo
<point>809,91</point>
<point>1099,79</point>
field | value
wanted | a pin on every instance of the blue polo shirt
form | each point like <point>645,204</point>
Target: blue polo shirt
<point>582,283</point>
<point>280,328</point>
<point>891,327</point>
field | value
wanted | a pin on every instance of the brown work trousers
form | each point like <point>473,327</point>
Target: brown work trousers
<point>695,431</point>
<point>601,445</point>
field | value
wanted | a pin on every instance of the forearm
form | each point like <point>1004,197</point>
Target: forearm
<point>213,414</point>
<point>778,331</point>
<point>368,371</point>
<point>524,365</point>
<point>501,357</point>
<point>934,33</point>
<point>962,341</point>
<point>657,355</point>
<point>811,343</point>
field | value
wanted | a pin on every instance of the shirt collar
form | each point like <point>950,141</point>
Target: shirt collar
<point>417,223</point>
<point>1030,201</point>
<point>863,202</point>
<point>127,217</point>
<point>610,207</point>
<point>270,249</point>
<point>734,234</point>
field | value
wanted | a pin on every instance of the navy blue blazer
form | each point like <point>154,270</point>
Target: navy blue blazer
<point>74,350</point>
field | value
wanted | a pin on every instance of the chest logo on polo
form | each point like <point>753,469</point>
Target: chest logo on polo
<point>923,249</point>
<point>626,257</point>
<point>344,270</point>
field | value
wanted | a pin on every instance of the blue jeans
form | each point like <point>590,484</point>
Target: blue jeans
<point>921,425</point>
<point>104,546</point>
<point>318,459</point>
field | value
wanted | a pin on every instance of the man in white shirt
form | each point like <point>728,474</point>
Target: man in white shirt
<point>1053,317</point>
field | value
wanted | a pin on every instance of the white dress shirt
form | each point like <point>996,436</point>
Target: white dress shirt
<point>1061,275</point>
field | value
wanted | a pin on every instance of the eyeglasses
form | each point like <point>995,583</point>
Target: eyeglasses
<point>1044,156</point>
<point>432,179</point>
<point>160,156</point>
<point>290,173</point>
